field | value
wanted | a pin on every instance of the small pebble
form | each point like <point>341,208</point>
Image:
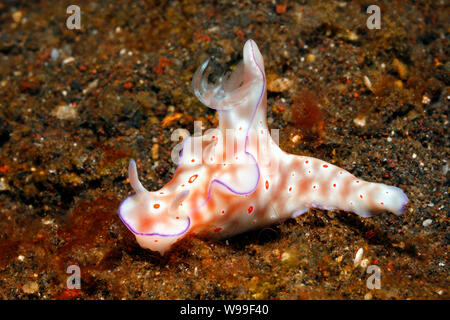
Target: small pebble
<point>427,223</point>
<point>54,54</point>
<point>398,84</point>
<point>358,257</point>
<point>280,8</point>
<point>350,35</point>
<point>3,184</point>
<point>360,121</point>
<point>401,68</point>
<point>368,83</point>
<point>68,60</point>
<point>279,84</point>
<point>285,256</point>
<point>65,112</point>
<point>295,139</point>
<point>155,151</point>
<point>17,16</point>
<point>47,221</point>
<point>368,296</point>
<point>91,86</point>
<point>364,263</point>
<point>310,58</point>
<point>426,100</point>
<point>30,287</point>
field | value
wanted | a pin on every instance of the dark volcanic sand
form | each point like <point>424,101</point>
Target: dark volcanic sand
<point>63,169</point>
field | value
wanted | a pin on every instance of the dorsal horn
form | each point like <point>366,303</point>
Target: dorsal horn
<point>253,61</point>
<point>133,177</point>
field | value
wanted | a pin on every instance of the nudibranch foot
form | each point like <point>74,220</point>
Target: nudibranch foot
<point>217,198</point>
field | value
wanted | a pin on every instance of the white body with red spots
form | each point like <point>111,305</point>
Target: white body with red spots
<point>235,178</point>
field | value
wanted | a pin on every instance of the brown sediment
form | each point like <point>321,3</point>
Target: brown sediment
<point>62,180</point>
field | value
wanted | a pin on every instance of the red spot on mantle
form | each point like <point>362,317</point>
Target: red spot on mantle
<point>192,179</point>
<point>250,209</point>
<point>217,229</point>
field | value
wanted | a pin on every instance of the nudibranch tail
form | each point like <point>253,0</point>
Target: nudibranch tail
<point>375,198</point>
<point>326,186</point>
<point>398,201</point>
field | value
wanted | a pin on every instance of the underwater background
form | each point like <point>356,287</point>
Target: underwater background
<point>77,104</point>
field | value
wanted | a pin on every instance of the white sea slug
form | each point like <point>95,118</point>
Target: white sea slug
<point>240,179</point>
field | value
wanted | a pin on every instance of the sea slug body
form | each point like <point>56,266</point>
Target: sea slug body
<point>240,179</point>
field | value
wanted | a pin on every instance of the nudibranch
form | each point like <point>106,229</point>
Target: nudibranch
<point>235,178</point>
